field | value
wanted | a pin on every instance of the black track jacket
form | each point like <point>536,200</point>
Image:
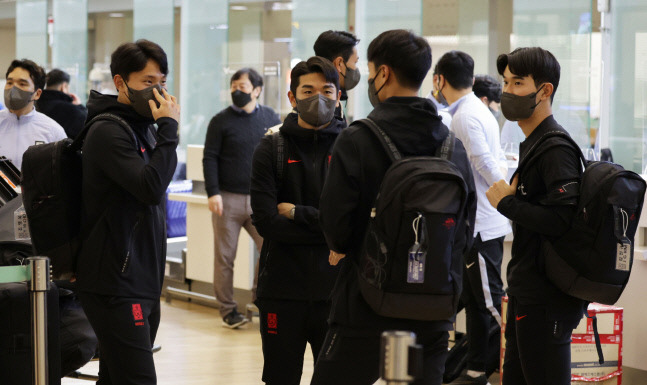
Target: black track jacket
<point>294,259</point>
<point>358,165</point>
<point>124,185</point>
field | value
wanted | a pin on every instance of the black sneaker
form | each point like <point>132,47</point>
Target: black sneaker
<point>464,379</point>
<point>234,320</point>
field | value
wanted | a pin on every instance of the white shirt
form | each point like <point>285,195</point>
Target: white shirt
<point>442,110</point>
<point>477,128</point>
<point>18,133</point>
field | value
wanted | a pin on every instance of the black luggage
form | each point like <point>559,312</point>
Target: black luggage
<point>15,335</point>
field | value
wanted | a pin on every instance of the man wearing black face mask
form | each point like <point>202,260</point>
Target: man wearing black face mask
<point>398,62</point>
<point>231,138</point>
<point>541,203</point>
<point>21,125</point>
<point>288,172</point>
<point>126,170</point>
<point>340,48</point>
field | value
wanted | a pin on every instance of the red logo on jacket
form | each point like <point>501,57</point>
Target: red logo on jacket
<point>138,315</point>
<point>449,223</point>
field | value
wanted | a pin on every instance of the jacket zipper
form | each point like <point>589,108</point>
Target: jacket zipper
<point>130,247</point>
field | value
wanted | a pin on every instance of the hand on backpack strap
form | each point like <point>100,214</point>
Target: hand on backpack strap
<point>500,190</point>
<point>168,106</point>
<point>335,257</point>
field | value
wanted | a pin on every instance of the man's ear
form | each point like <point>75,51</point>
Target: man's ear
<point>293,99</point>
<point>37,94</point>
<point>338,63</point>
<point>338,98</point>
<point>119,82</point>
<point>257,92</point>
<point>547,91</point>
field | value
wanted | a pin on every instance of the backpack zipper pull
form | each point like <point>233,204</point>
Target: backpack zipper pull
<point>373,212</point>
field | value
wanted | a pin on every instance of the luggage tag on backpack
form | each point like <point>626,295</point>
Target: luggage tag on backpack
<point>623,251</point>
<point>416,270</point>
<point>20,224</point>
<point>417,256</point>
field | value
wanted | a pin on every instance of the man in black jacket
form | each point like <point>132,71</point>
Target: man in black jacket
<point>232,136</point>
<point>58,103</point>
<point>398,62</point>
<point>541,203</point>
<point>125,175</point>
<point>288,173</point>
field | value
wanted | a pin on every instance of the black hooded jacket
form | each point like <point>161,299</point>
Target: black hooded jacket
<point>58,106</point>
<point>124,185</point>
<point>294,259</point>
<point>358,165</point>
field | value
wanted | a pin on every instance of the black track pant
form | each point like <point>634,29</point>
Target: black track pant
<point>286,328</point>
<point>538,347</point>
<point>482,292</point>
<point>355,360</point>
<point>126,329</point>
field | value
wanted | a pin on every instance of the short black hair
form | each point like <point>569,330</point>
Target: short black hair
<point>486,85</point>
<point>332,44</point>
<point>532,61</point>
<point>36,72</point>
<point>133,57</point>
<point>254,77</point>
<point>56,77</point>
<point>408,55</point>
<point>315,64</point>
<point>458,69</point>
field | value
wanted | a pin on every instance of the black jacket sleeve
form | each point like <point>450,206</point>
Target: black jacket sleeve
<point>561,172</point>
<point>267,220</point>
<point>112,149</point>
<point>340,195</point>
<point>76,121</point>
<point>212,146</point>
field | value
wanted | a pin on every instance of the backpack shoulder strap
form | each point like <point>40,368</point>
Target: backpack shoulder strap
<point>78,141</point>
<point>532,153</point>
<point>387,143</point>
<point>278,153</point>
<point>446,150</point>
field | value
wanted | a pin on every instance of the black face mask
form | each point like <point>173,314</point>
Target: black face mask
<point>372,92</point>
<point>515,107</point>
<point>351,78</point>
<point>240,98</point>
<point>140,98</point>
<point>316,110</point>
<point>438,94</point>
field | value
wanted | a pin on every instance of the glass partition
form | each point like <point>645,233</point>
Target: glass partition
<point>372,18</point>
<point>203,57</point>
<point>155,20</point>
<point>70,43</point>
<point>31,30</point>
<point>628,84</point>
<point>564,29</point>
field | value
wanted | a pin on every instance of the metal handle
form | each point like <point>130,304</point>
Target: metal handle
<point>38,287</point>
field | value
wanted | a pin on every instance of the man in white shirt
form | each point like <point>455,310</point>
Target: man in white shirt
<point>436,96</point>
<point>21,125</point>
<point>477,128</point>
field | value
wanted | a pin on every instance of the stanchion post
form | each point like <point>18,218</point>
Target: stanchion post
<point>401,361</point>
<point>38,287</point>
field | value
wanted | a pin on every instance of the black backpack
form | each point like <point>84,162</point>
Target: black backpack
<point>593,259</point>
<point>410,265</point>
<point>51,193</point>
